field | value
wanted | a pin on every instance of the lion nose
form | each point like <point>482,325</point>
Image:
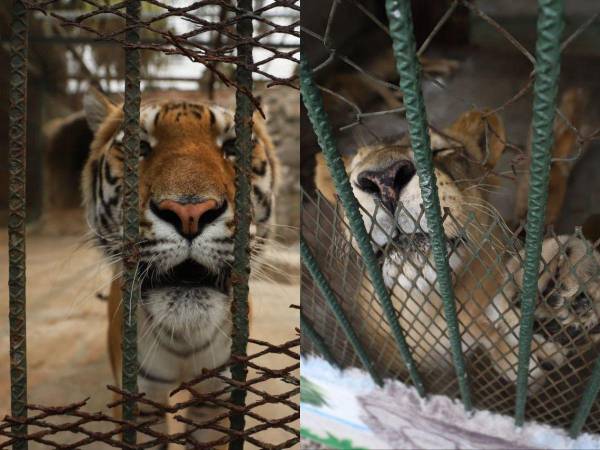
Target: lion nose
<point>189,218</point>
<point>387,183</point>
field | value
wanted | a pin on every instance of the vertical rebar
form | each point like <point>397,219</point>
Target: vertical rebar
<point>308,330</point>
<point>16,219</point>
<point>309,261</point>
<point>243,215</point>
<point>547,70</point>
<point>587,401</point>
<point>401,30</point>
<point>131,283</point>
<point>313,102</point>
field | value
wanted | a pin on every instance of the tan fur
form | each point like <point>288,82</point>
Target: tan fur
<point>481,138</point>
<point>322,178</point>
<point>466,132</point>
<point>564,154</point>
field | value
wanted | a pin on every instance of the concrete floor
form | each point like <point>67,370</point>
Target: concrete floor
<point>66,323</point>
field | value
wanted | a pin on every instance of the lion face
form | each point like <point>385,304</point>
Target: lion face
<point>186,189</point>
<point>386,185</point>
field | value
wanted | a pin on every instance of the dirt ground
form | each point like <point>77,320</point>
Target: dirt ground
<point>66,323</point>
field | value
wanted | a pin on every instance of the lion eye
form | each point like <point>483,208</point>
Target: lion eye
<point>229,148</point>
<point>447,151</point>
<point>145,149</point>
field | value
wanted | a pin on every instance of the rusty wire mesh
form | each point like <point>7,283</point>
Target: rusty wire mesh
<point>359,121</point>
<point>208,35</point>
<point>73,426</point>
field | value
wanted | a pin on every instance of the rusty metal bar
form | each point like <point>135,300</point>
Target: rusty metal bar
<point>243,217</point>
<point>131,283</point>
<point>17,150</point>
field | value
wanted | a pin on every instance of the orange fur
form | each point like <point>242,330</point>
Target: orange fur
<point>185,159</point>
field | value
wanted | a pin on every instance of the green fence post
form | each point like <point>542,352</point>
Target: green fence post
<point>311,264</point>
<point>547,70</point>
<point>131,283</point>
<point>587,401</point>
<point>243,215</point>
<point>318,117</point>
<point>401,30</point>
<point>17,150</point>
<point>309,331</point>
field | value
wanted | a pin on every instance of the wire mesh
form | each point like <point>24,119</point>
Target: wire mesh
<point>563,352</point>
<point>203,29</point>
<point>562,365</point>
<point>73,426</point>
<point>258,39</point>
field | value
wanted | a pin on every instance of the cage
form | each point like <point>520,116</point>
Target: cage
<point>398,277</point>
<point>244,47</point>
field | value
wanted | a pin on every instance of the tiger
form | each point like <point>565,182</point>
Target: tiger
<point>485,261</point>
<point>186,232</point>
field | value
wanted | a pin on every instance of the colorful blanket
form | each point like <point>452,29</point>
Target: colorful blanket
<point>346,410</point>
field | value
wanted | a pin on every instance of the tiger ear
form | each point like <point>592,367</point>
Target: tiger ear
<point>323,180</point>
<point>97,107</point>
<point>486,131</point>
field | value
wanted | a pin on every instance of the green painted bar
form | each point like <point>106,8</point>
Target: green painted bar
<point>587,401</point>
<point>243,214</point>
<point>17,151</point>
<point>401,30</point>
<point>318,117</point>
<point>131,283</point>
<point>309,331</point>
<point>547,70</point>
<point>311,264</point>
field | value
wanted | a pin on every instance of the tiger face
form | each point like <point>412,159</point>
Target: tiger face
<point>186,191</point>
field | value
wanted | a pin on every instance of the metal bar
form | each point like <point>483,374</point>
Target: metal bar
<point>547,70</point>
<point>401,29</point>
<point>311,96</point>
<point>17,150</point>
<point>311,264</point>
<point>243,215</point>
<point>309,331</point>
<point>587,401</point>
<point>131,283</point>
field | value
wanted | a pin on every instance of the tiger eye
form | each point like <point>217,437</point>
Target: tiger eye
<point>229,148</point>
<point>145,149</point>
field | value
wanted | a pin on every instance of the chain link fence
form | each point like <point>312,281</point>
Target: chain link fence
<point>465,299</point>
<point>254,38</point>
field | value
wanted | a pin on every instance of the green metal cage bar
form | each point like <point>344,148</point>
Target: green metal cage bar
<point>311,264</point>
<point>17,150</point>
<point>243,215</point>
<point>309,331</point>
<point>587,401</point>
<point>547,70</point>
<point>313,102</point>
<point>131,283</point>
<point>401,31</point>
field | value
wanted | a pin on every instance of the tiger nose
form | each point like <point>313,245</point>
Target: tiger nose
<point>189,218</point>
<point>387,183</point>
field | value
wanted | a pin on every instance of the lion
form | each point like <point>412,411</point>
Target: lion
<point>484,258</point>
